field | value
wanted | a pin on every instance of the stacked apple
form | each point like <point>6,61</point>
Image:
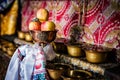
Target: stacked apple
<point>41,21</point>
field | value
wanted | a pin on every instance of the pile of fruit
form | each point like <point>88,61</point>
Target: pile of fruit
<point>41,21</point>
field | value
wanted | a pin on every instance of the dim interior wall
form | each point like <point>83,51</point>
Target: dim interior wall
<point>102,19</point>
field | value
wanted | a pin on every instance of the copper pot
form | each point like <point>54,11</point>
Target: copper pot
<point>55,74</point>
<point>55,70</point>
<point>74,50</point>
<point>96,56</point>
<point>59,47</point>
<point>77,75</point>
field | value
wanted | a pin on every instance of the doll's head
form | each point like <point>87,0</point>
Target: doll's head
<point>43,36</point>
<point>34,28</point>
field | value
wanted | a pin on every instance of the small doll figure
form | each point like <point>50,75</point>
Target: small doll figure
<point>28,61</point>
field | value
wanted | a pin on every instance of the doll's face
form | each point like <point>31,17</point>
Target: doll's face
<point>34,35</point>
<point>43,36</point>
<point>39,36</point>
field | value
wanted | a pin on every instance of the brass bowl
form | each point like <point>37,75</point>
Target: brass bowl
<point>21,35</point>
<point>59,47</point>
<point>10,51</point>
<point>96,56</point>
<point>4,47</point>
<point>44,36</point>
<point>55,70</point>
<point>28,37</point>
<point>74,50</point>
<point>77,75</point>
<point>55,74</point>
<point>10,44</point>
<point>9,48</point>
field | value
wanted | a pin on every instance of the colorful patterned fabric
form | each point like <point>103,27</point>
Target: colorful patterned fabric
<point>102,19</point>
<point>102,24</point>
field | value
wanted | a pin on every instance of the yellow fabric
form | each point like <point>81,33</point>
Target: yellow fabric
<point>9,20</point>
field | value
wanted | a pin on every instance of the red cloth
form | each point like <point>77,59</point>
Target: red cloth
<point>102,20</point>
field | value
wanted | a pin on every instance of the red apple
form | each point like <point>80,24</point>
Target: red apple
<point>47,26</point>
<point>35,25</point>
<point>42,14</point>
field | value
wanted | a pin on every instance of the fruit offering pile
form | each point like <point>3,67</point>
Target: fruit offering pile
<point>41,22</point>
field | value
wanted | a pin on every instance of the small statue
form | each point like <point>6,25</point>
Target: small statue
<point>29,61</point>
<point>75,33</point>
